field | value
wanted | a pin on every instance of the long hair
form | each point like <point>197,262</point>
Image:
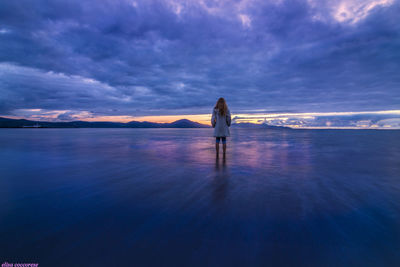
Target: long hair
<point>221,106</point>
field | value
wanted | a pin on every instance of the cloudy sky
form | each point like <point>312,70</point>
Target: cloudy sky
<point>284,62</point>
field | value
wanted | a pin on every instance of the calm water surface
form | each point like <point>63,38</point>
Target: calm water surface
<point>158,197</point>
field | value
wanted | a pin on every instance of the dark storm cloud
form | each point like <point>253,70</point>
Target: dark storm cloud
<point>178,57</point>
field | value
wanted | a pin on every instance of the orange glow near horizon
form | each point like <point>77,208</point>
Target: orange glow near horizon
<point>200,118</point>
<point>256,118</point>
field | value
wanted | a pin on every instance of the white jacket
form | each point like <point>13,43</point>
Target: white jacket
<point>221,123</point>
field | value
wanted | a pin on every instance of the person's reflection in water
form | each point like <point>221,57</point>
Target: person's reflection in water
<point>220,182</point>
<point>217,166</point>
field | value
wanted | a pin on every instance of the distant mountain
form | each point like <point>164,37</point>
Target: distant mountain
<point>184,123</point>
<point>13,123</point>
<point>257,126</point>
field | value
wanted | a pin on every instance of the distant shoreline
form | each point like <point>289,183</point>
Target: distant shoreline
<point>240,128</point>
<point>6,123</point>
<point>27,124</point>
<point>183,123</point>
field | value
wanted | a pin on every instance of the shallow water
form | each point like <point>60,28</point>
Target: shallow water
<point>140,197</point>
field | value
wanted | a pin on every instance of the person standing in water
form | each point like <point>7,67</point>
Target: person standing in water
<point>221,120</point>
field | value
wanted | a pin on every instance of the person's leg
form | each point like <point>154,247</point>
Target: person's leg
<point>224,144</point>
<point>217,139</point>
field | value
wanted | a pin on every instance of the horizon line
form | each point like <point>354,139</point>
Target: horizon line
<point>387,119</point>
<point>51,116</point>
<point>237,123</point>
